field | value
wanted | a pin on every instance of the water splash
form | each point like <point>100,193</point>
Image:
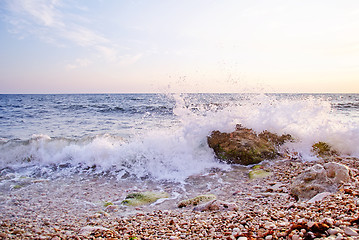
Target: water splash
<point>174,146</point>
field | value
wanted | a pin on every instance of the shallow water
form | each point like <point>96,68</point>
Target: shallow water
<point>82,196</point>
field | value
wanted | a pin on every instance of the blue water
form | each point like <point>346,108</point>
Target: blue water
<point>75,116</point>
<point>161,135</point>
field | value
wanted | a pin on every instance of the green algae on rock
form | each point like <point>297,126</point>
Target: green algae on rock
<point>141,198</point>
<point>259,173</point>
<point>17,186</point>
<point>257,167</point>
<point>196,200</point>
<point>107,203</point>
<point>323,149</point>
<point>244,146</point>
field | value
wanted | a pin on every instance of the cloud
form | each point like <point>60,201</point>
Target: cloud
<point>80,62</point>
<point>53,22</point>
<point>34,16</point>
<point>43,12</point>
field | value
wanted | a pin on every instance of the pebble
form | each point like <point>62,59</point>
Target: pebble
<point>350,232</point>
<point>328,221</point>
<point>3,235</point>
<point>295,237</point>
<point>282,224</point>
<point>269,225</point>
<point>111,208</point>
<point>333,231</point>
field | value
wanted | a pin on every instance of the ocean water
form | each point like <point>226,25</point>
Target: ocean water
<point>161,137</point>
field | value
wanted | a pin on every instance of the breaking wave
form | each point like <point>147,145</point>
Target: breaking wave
<point>175,147</point>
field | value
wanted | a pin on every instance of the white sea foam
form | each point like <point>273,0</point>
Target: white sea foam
<point>160,155</point>
<point>181,151</point>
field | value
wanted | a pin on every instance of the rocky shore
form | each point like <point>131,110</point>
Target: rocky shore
<point>282,198</point>
<point>265,209</point>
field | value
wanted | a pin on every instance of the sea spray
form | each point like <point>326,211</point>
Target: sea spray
<point>308,119</point>
<point>163,137</point>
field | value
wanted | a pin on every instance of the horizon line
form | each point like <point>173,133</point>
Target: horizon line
<point>100,93</point>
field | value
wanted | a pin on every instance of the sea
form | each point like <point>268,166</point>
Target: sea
<point>158,137</point>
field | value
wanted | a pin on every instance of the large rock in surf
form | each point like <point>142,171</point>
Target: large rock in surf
<point>320,178</point>
<point>244,146</point>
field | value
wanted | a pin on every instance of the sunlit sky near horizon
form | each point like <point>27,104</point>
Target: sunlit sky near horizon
<point>113,46</point>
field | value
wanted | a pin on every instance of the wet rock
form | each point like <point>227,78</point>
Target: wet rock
<point>216,205</point>
<point>259,173</point>
<point>107,203</point>
<point>196,200</point>
<point>141,198</point>
<point>319,178</point>
<point>17,186</point>
<point>339,173</point>
<point>244,146</point>
<point>322,149</point>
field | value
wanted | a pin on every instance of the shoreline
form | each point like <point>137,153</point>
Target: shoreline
<point>74,208</point>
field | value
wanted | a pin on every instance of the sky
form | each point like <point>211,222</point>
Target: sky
<point>136,46</point>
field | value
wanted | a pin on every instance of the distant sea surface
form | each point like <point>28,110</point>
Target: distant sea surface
<point>159,136</point>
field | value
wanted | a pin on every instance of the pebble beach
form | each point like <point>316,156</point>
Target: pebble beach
<point>265,208</point>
